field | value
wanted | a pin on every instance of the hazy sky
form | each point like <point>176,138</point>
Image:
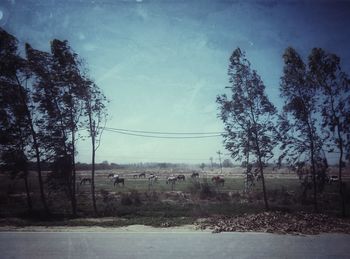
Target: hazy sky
<point>162,63</point>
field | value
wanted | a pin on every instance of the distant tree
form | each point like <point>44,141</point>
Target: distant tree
<point>202,166</point>
<point>227,163</point>
<point>298,122</point>
<point>334,84</point>
<point>105,162</point>
<point>20,113</point>
<point>247,116</point>
<point>115,165</point>
<point>96,114</point>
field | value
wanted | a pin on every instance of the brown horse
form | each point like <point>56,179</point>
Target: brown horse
<point>218,180</point>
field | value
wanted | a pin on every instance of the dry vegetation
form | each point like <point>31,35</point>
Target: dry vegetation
<point>225,208</point>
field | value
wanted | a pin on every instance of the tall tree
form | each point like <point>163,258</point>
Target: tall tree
<point>298,121</point>
<point>96,113</point>
<point>247,116</point>
<point>73,89</point>
<point>327,75</point>
<point>15,78</point>
<point>60,92</point>
<point>15,136</point>
<point>53,135</point>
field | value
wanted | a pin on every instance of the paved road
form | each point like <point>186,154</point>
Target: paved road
<point>170,245</point>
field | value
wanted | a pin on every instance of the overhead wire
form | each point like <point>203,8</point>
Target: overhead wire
<point>164,133</point>
<point>130,133</point>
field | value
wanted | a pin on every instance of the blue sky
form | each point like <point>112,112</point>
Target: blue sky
<point>162,63</point>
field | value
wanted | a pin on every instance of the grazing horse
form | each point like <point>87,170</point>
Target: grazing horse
<point>171,179</point>
<point>215,178</point>
<point>181,177</point>
<point>135,176</point>
<point>218,180</point>
<point>194,175</point>
<point>151,180</point>
<point>112,176</point>
<point>85,180</point>
<point>142,175</point>
<point>119,180</point>
<point>152,177</point>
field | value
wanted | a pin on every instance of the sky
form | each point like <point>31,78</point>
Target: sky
<point>162,63</point>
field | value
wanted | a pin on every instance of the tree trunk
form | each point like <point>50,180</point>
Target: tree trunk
<point>74,200</point>
<point>340,166</point>
<point>29,199</point>
<point>263,183</point>
<point>93,176</point>
<point>314,176</point>
<point>36,147</point>
<point>261,169</point>
<point>312,150</point>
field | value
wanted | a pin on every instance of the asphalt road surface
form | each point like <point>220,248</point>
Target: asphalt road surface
<point>168,245</point>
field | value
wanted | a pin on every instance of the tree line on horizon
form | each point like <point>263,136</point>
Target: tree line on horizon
<point>46,99</point>
<point>315,118</point>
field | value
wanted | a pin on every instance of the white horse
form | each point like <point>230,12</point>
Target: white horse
<point>152,178</point>
<point>113,177</point>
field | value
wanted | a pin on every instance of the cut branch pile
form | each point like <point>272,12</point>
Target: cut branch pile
<point>278,222</point>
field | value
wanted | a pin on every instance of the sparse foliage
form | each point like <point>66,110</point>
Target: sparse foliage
<point>96,114</point>
<point>43,99</point>
<point>298,122</point>
<point>334,85</point>
<point>19,135</point>
<point>247,115</point>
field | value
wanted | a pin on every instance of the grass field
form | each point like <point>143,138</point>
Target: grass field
<point>142,202</point>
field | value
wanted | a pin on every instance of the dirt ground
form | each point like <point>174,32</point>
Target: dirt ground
<point>131,228</point>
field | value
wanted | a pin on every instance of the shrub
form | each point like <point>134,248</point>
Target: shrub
<point>135,197</point>
<point>152,196</point>
<point>132,198</point>
<point>105,195</point>
<point>206,191</point>
<point>126,199</point>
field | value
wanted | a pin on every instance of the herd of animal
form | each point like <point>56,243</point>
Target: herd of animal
<point>152,178</point>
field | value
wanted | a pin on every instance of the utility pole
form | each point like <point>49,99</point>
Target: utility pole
<point>211,163</point>
<point>219,153</point>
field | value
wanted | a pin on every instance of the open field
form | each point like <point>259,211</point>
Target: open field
<point>139,202</point>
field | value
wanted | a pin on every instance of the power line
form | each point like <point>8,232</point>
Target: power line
<point>161,137</point>
<point>165,133</point>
